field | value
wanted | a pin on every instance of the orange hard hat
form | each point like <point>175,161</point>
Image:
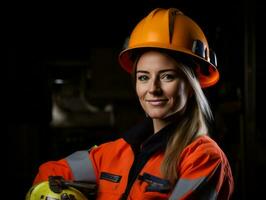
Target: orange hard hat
<point>172,30</point>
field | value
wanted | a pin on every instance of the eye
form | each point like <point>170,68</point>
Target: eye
<point>168,76</point>
<point>143,78</point>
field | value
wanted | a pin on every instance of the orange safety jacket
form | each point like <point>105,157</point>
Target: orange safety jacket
<point>129,168</point>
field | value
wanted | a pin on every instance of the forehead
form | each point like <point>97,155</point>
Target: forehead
<point>155,60</point>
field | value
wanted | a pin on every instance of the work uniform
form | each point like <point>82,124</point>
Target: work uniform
<point>129,168</point>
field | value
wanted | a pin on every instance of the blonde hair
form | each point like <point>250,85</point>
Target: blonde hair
<point>191,125</point>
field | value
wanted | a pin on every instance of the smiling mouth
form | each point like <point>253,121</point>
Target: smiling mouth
<point>157,102</point>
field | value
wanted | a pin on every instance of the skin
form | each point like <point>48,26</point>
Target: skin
<point>161,87</point>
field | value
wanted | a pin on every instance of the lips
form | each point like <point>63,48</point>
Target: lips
<point>157,102</point>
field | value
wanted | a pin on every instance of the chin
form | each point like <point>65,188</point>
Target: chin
<point>163,115</point>
<point>157,115</point>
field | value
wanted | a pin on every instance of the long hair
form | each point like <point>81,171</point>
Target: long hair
<point>190,125</point>
<point>192,122</point>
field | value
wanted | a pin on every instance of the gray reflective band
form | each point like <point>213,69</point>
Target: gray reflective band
<point>183,186</point>
<point>81,166</point>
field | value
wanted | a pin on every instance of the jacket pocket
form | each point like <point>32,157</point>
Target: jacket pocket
<point>155,184</point>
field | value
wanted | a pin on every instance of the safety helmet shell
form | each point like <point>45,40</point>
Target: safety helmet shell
<point>172,30</point>
<point>43,191</point>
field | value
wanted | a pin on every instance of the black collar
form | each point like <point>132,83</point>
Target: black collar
<point>141,137</point>
<point>144,144</point>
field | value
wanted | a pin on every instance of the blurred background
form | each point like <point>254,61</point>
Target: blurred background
<point>67,92</point>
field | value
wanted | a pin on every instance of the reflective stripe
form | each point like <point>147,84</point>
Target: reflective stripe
<point>81,166</point>
<point>203,187</point>
<point>185,186</point>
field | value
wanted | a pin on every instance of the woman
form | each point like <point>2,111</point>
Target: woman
<point>169,155</point>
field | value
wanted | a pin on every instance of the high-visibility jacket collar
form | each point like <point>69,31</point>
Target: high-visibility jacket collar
<point>144,144</point>
<point>142,138</point>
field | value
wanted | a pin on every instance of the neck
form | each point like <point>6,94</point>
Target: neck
<point>158,124</point>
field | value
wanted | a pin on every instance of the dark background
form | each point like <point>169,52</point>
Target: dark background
<point>79,43</point>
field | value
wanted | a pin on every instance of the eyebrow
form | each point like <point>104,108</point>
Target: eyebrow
<point>161,71</point>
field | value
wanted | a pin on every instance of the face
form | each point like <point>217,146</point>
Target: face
<point>160,85</point>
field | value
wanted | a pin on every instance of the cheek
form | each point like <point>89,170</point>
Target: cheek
<point>139,90</point>
<point>174,91</point>
<point>180,94</point>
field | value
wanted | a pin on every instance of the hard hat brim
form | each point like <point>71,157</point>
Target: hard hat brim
<point>126,62</point>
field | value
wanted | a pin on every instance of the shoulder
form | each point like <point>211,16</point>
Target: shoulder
<point>202,157</point>
<point>110,147</point>
<point>203,146</point>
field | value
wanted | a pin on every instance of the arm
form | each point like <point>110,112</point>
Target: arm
<point>204,174</point>
<point>77,166</point>
<point>53,168</point>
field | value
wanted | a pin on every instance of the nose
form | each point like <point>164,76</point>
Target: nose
<point>155,87</point>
